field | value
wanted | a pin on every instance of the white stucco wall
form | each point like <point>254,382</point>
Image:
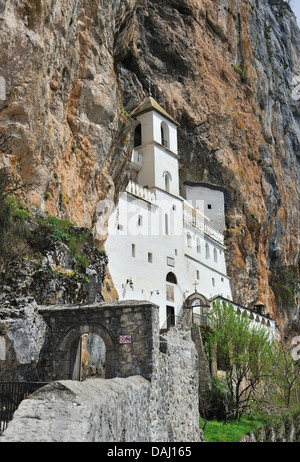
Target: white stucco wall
<point>158,230</point>
<point>209,201</point>
<point>143,225</point>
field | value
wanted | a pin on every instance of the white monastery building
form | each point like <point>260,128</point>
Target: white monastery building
<point>165,242</point>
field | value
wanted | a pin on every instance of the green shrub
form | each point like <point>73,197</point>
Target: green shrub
<point>243,75</point>
<point>14,230</point>
<point>285,282</point>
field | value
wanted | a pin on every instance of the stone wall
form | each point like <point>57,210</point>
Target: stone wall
<point>111,321</point>
<point>36,341</point>
<point>94,410</point>
<point>132,409</point>
<point>174,399</point>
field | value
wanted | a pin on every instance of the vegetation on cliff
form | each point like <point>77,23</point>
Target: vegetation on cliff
<point>13,228</point>
<point>54,254</point>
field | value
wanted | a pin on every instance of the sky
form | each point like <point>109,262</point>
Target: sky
<point>296,8</point>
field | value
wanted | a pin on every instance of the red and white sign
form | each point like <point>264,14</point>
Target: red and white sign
<point>125,339</point>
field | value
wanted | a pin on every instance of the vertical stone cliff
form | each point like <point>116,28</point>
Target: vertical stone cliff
<point>228,71</point>
<point>63,126</point>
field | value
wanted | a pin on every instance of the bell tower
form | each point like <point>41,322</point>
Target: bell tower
<point>155,154</point>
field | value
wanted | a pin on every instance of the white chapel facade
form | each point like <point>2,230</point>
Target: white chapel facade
<point>165,241</point>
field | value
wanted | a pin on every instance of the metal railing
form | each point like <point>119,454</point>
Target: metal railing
<point>11,395</point>
<point>194,218</point>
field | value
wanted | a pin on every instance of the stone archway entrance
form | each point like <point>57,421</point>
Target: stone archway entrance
<point>129,330</point>
<point>199,306</point>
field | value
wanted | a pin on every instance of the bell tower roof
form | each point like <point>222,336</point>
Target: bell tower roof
<point>149,104</point>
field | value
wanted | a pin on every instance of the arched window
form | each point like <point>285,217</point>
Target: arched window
<point>215,255</point>
<point>207,251</point>
<point>167,181</point>
<point>189,240</point>
<point>198,245</point>
<point>164,131</point>
<point>138,135</point>
<point>171,278</point>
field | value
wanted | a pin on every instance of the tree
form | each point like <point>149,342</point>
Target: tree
<point>283,382</point>
<point>13,229</point>
<point>243,350</point>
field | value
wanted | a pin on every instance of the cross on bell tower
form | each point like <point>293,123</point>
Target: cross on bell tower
<point>150,85</point>
<point>195,284</point>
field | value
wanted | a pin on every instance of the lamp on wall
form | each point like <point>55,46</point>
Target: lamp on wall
<point>152,292</point>
<point>128,281</point>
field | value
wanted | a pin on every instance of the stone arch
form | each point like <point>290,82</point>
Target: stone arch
<point>73,337</point>
<point>199,305</point>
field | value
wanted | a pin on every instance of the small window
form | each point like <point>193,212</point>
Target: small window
<point>140,220</point>
<point>133,250</point>
<point>197,274</point>
<point>213,282</point>
<point>149,257</point>
<point>215,256</point>
<point>176,253</point>
<point>120,227</point>
<point>209,206</point>
<point>207,254</point>
<point>166,224</point>
<point>170,261</point>
<point>167,181</point>
<point>198,246</point>
<point>189,240</point>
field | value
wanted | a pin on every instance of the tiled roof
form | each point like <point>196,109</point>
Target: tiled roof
<point>150,104</point>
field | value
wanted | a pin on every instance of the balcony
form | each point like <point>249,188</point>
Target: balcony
<point>137,159</point>
<point>142,193</point>
<point>194,218</point>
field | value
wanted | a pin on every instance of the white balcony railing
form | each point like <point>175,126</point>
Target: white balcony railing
<point>194,218</point>
<point>142,193</point>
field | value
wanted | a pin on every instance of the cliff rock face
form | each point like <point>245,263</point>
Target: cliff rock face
<point>228,71</point>
<point>63,126</point>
